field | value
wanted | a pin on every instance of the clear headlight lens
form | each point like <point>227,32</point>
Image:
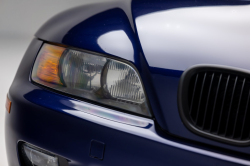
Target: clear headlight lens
<point>90,76</point>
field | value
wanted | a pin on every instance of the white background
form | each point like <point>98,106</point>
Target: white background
<point>19,20</point>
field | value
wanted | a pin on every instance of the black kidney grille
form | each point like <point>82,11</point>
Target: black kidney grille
<point>219,104</point>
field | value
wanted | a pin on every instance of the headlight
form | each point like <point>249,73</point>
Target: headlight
<point>97,78</point>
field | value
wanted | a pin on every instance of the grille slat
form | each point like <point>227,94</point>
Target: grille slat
<point>202,87</point>
<point>191,108</point>
<point>217,91</point>
<point>215,103</point>
<point>221,111</point>
<point>209,92</point>
<point>245,113</point>
<point>230,107</point>
<point>238,106</point>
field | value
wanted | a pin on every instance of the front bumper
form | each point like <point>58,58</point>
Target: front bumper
<point>66,127</point>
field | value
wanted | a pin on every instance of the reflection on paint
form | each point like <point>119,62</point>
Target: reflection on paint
<point>117,43</point>
<point>103,113</point>
<point>183,37</point>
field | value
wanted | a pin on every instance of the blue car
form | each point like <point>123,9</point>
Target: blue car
<point>134,83</point>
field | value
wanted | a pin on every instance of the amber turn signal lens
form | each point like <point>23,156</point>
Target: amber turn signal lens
<point>8,104</point>
<point>47,64</point>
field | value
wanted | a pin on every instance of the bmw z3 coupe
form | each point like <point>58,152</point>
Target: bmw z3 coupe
<point>135,83</point>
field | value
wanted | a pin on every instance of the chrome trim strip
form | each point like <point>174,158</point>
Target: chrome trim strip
<point>139,126</point>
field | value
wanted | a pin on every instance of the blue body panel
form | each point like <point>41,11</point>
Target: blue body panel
<point>37,117</point>
<point>166,63</point>
<point>109,27</point>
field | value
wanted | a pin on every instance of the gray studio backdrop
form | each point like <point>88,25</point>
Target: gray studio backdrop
<point>19,20</point>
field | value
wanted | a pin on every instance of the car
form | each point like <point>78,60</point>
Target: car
<point>123,83</point>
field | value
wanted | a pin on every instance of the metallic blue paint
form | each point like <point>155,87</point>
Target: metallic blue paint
<point>37,113</point>
<point>67,105</point>
<point>38,117</point>
<point>166,65</point>
<point>85,32</point>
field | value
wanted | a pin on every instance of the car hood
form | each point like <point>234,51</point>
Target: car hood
<point>181,37</point>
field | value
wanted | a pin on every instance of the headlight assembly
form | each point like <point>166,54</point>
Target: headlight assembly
<point>97,78</point>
